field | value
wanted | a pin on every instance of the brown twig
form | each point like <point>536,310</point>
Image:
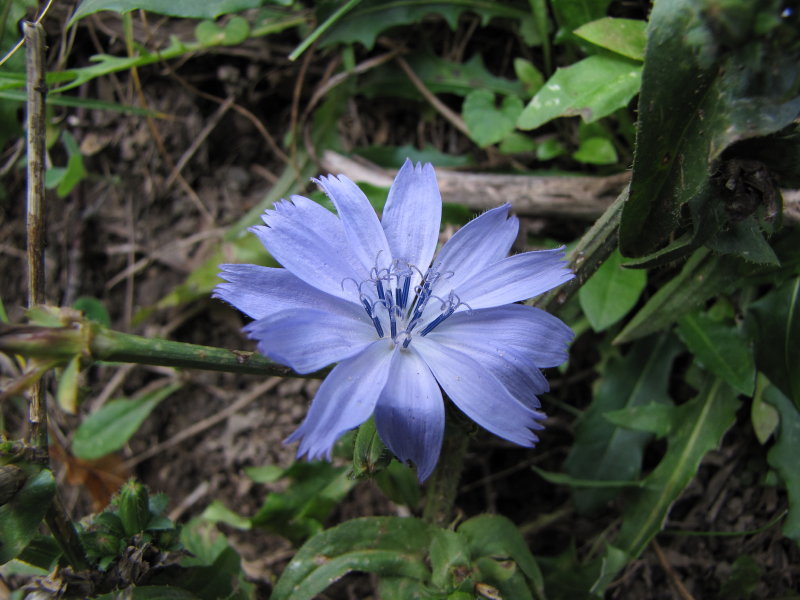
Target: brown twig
<point>443,109</point>
<point>206,423</point>
<point>57,521</point>
<point>676,582</point>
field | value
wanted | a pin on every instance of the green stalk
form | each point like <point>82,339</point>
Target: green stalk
<point>443,484</point>
<point>93,342</point>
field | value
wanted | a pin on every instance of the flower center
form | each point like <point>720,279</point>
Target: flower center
<point>388,300</point>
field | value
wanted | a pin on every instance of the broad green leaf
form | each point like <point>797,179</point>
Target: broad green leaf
<point>298,512</point>
<point>64,179</point>
<point>704,276</point>
<point>603,451</point>
<point>234,32</point>
<point>439,75</point>
<point>721,349</point>
<point>529,75</point>
<point>399,484</point>
<point>744,238</point>
<point>364,23</point>
<point>591,88</point>
<point>448,554</point>
<point>190,9</point>
<point>568,480</point>
<point>93,309</point>
<point>517,143</point>
<point>715,74</point>
<point>387,546</point>
<point>653,417</point>
<point>596,151</point>
<point>774,324</point>
<point>67,391</point>
<point>623,36</point>
<point>497,537</point>
<point>217,512</point>
<point>783,456</point>
<point>21,515</point>
<point>110,427</point>
<point>611,292</point>
<point>764,417</point>
<point>698,428</point>
<point>487,122</point>
<point>370,455</point>
<point>571,14</point>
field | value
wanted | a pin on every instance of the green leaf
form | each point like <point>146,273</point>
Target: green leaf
<point>714,74</point>
<point>488,123</point>
<point>190,9</point>
<point>611,292</point>
<point>387,546</point>
<point>622,36</point>
<point>698,428</point>
<point>721,349</point>
<point>596,151</point>
<point>655,418</point>
<point>517,143</point>
<point>764,417</point>
<point>364,23</point>
<point>448,555</point>
<point>774,323</point>
<point>399,484</point>
<point>571,14</point>
<point>744,577</point>
<point>497,537</point>
<point>439,75</point>
<point>217,512</point>
<point>744,238</point>
<point>109,428</point>
<point>603,451</point>
<point>93,309</point>
<point>568,480</point>
<point>21,515</point>
<point>370,455</point>
<point>591,88</point>
<point>783,456</point>
<point>296,513</point>
<point>702,277</point>
<point>529,75</point>
<point>67,391</point>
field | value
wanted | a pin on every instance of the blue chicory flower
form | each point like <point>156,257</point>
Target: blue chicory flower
<point>401,324</point>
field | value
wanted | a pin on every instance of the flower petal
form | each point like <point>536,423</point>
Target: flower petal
<point>345,399</point>
<point>513,367</point>
<point>361,226</point>
<point>412,215</point>
<point>542,337</point>
<point>479,394</point>
<point>261,291</point>
<point>308,339</point>
<point>481,242</point>
<point>310,242</point>
<point>410,413</point>
<point>515,278</point>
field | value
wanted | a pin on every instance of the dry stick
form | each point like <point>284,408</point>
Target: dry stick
<point>199,139</point>
<point>201,426</point>
<point>151,125</point>
<point>58,522</point>
<point>684,593</point>
<point>448,114</point>
<point>34,44</point>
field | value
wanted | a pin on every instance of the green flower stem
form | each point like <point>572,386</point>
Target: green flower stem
<point>94,342</point>
<point>592,250</point>
<point>443,484</point>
